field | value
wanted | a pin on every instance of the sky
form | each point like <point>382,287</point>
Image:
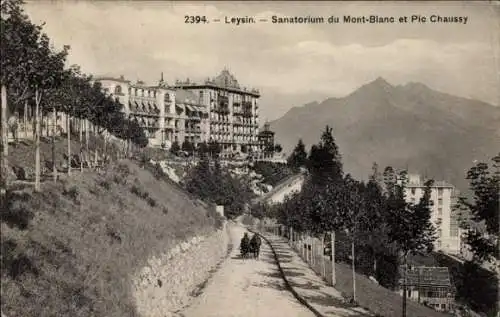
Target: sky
<point>290,64</point>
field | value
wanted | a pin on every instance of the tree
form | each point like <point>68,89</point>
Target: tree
<point>187,147</point>
<point>215,185</point>
<point>485,186</point>
<point>278,148</point>
<point>324,159</point>
<point>202,149</point>
<point>214,148</point>
<point>410,225</point>
<point>298,158</point>
<point>372,229</point>
<point>29,65</point>
<point>175,148</point>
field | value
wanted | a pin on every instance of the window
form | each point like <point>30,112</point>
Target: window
<point>440,201</point>
<point>453,226</point>
<point>440,192</point>
<point>413,191</point>
<point>440,211</point>
<point>118,90</point>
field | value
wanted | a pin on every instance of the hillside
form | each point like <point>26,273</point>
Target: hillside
<point>72,249</point>
<point>403,126</point>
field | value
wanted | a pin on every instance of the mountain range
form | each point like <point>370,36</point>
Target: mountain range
<point>407,126</point>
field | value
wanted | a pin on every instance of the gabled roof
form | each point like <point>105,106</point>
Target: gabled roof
<point>227,80</point>
<point>427,276</point>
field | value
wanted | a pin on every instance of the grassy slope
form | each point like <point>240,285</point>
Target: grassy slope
<point>22,154</point>
<point>69,250</point>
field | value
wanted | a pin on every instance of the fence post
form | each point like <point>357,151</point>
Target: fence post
<point>334,278</point>
<point>313,249</point>
<point>323,266</point>
<point>353,271</point>
<point>303,246</point>
<point>308,253</point>
<point>309,248</point>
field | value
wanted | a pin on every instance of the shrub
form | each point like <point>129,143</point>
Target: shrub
<point>136,190</point>
<point>14,211</point>
<point>72,193</point>
<point>123,169</point>
<point>104,183</point>
<point>151,202</point>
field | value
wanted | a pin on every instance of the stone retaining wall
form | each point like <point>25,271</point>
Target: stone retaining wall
<point>164,286</point>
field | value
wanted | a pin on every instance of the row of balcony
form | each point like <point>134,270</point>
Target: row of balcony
<point>186,130</point>
<point>191,116</point>
<point>244,133</point>
<point>249,124</point>
<point>223,110</point>
<point>151,111</point>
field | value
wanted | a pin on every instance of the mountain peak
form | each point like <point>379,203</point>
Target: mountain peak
<point>376,86</point>
<point>381,82</point>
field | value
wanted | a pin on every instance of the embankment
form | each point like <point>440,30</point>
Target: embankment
<point>99,244</point>
<point>169,281</point>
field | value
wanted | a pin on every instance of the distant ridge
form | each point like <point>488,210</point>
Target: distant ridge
<point>406,125</point>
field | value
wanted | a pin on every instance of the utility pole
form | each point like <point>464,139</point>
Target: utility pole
<point>405,278</point>
<point>54,123</point>
<point>332,248</point>
<point>353,271</point>
<point>5,141</point>
<point>418,285</point>
<point>38,99</point>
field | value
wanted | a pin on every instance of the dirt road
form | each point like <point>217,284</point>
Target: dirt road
<point>246,288</point>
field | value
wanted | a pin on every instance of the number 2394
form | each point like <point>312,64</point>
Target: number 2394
<point>192,19</point>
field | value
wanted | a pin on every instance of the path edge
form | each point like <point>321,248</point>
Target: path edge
<point>283,276</point>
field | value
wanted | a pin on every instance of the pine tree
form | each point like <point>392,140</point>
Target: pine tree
<point>325,161</point>
<point>298,158</point>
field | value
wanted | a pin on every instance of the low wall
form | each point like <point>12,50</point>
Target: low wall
<point>166,284</point>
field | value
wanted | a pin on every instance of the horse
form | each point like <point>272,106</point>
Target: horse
<point>255,243</point>
<point>244,246</point>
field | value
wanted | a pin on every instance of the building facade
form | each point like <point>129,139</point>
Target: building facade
<point>149,106</point>
<point>266,141</point>
<point>442,215</point>
<point>233,118</point>
<point>216,110</point>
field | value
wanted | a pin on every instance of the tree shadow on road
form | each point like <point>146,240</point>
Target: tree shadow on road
<point>283,256</point>
<point>307,285</point>
<point>275,284</point>
<point>276,274</point>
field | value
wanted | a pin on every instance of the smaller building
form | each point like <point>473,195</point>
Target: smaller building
<point>266,141</point>
<point>431,286</point>
<point>443,215</point>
